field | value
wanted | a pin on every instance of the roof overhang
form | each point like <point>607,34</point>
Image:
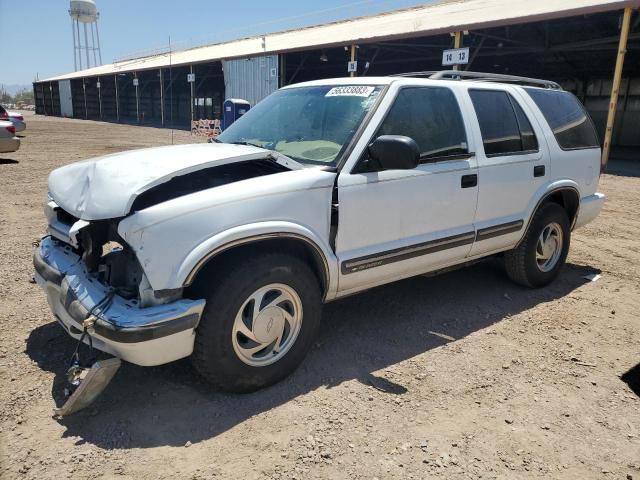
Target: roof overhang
<point>425,20</point>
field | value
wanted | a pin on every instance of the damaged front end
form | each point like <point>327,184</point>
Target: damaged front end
<point>98,292</point>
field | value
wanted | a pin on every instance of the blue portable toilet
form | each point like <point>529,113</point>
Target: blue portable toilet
<point>234,108</point>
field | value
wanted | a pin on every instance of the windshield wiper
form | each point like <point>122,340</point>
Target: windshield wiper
<point>240,142</point>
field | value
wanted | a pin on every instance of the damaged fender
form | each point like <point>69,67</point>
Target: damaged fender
<point>185,230</point>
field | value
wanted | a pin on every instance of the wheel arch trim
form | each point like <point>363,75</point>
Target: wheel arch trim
<point>550,190</point>
<point>248,234</point>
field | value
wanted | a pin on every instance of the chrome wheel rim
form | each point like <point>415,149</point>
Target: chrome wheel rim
<point>267,325</point>
<point>549,247</point>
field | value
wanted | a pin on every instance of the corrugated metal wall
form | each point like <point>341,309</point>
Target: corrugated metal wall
<point>595,94</point>
<point>251,79</point>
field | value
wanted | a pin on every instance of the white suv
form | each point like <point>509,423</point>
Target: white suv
<point>225,252</point>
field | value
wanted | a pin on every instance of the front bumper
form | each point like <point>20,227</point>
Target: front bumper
<point>144,336</point>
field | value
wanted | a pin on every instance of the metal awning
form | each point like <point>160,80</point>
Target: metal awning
<point>425,20</point>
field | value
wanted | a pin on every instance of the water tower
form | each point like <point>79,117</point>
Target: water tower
<point>85,12</point>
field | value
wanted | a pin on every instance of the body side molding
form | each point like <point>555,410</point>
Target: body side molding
<point>257,238</point>
<point>404,253</point>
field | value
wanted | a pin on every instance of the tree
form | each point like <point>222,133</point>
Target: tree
<point>24,96</point>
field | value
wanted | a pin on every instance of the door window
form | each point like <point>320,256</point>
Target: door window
<point>431,116</point>
<point>505,128</point>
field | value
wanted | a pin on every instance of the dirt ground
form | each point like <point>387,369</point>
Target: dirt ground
<point>464,375</point>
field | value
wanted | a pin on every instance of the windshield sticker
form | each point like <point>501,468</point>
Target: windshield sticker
<point>351,91</point>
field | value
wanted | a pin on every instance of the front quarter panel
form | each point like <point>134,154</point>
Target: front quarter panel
<point>171,238</point>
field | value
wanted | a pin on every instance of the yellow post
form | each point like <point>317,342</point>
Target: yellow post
<point>617,77</point>
<point>457,43</point>
<point>353,59</point>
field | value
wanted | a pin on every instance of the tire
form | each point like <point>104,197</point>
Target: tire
<point>526,263</point>
<point>223,345</point>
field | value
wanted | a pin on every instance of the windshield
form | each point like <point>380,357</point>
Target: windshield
<point>308,124</point>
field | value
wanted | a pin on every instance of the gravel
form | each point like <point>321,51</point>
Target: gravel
<point>464,375</point>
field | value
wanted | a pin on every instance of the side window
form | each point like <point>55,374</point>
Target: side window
<point>504,126</point>
<point>529,140</point>
<point>431,116</point>
<point>567,118</point>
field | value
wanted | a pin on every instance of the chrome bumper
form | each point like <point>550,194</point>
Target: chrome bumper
<point>144,336</point>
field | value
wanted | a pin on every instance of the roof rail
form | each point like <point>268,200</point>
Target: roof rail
<point>483,77</point>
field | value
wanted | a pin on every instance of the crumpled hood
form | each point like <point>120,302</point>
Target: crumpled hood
<point>105,187</point>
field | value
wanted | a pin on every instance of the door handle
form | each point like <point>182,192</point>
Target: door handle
<point>468,181</point>
<point>538,171</point>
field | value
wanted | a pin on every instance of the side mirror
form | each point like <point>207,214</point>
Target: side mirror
<point>395,152</point>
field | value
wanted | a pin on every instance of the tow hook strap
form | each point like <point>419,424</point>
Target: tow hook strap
<point>86,383</point>
<point>75,370</point>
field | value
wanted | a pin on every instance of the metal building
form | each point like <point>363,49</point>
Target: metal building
<point>578,43</point>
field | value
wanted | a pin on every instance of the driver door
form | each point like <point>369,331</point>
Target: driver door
<point>397,223</point>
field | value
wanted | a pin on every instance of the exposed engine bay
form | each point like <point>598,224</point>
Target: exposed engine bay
<point>112,261</point>
<point>109,258</point>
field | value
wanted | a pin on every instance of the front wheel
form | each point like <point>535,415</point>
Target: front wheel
<point>258,324</point>
<point>538,259</point>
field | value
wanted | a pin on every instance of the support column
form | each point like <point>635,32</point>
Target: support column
<point>53,110</point>
<point>353,59</point>
<point>86,44</point>
<point>192,94</point>
<point>75,48</point>
<point>98,38</point>
<point>135,76</point>
<point>84,94</point>
<point>161,98</point>
<point>99,85</point>
<point>457,43</point>
<point>282,71</point>
<point>93,46</point>
<point>79,51</point>
<point>617,77</point>
<point>115,80</point>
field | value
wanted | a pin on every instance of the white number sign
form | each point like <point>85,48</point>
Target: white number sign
<point>455,56</point>
<point>191,77</point>
<point>352,66</point>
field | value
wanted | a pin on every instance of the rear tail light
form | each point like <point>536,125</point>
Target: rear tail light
<point>19,117</point>
<point>4,115</point>
<point>11,130</point>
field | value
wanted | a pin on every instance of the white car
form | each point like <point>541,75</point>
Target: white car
<point>225,252</point>
<point>14,117</point>
<point>8,140</point>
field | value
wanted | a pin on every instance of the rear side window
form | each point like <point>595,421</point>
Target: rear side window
<point>431,116</point>
<point>567,118</point>
<point>504,126</point>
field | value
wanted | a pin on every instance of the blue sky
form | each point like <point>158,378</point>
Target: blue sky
<point>40,41</point>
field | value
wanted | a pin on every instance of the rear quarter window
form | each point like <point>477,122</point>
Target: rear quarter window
<point>567,118</point>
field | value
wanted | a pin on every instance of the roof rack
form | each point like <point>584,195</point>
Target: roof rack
<point>482,77</point>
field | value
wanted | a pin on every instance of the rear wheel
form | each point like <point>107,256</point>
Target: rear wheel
<point>258,324</point>
<point>538,259</point>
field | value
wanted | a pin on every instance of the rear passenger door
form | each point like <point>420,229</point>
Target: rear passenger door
<point>512,163</point>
